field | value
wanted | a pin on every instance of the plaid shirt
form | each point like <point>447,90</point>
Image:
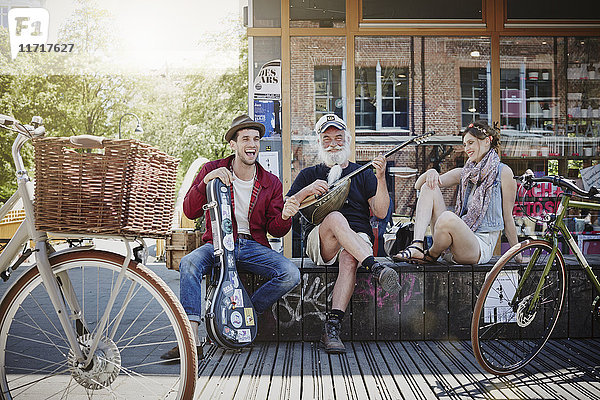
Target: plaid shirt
<point>266,203</point>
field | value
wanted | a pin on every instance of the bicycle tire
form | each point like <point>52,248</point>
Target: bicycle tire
<point>506,337</point>
<point>35,356</point>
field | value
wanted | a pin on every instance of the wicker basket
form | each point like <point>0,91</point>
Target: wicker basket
<point>126,188</point>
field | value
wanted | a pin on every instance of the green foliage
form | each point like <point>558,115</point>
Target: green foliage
<point>184,115</point>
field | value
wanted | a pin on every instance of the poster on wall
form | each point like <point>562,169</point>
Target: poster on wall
<point>267,98</point>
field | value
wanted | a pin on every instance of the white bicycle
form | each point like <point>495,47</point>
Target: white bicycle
<point>84,323</point>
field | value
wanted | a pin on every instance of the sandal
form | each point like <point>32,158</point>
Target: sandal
<point>405,255</point>
<point>428,258</point>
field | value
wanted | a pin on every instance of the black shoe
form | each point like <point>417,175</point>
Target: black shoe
<point>173,354</point>
<point>387,277</point>
<point>331,337</point>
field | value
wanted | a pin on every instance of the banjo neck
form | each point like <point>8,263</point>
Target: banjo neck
<point>417,139</point>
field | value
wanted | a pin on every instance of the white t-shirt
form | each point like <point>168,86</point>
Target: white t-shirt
<point>242,191</point>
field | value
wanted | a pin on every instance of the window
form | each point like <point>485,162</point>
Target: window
<point>366,90</point>
<point>391,111</point>
<point>473,95</point>
<point>394,105</point>
<point>328,91</point>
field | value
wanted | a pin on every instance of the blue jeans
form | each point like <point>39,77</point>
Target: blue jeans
<point>251,257</point>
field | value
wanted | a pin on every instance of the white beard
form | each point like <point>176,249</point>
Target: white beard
<point>334,174</point>
<point>330,158</point>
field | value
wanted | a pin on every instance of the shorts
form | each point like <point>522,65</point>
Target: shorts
<point>487,243</point>
<point>313,247</point>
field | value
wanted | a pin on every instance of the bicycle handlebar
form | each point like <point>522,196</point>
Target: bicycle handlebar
<point>529,181</point>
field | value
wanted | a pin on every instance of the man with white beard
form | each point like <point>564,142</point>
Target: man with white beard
<point>345,235</point>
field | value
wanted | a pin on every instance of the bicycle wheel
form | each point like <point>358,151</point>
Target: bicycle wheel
<point>511,326</point>
<point>145,321</point>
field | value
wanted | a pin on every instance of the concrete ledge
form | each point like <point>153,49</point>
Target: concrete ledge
<point>435,303</point>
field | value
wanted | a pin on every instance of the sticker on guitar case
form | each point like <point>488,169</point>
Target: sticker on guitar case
<point>228,289</point>
<point>226,301</point>
<point>224,315</point>
<point>238,299</point>
<point>225,210</point>
<point>249,314</point>
<point>236,319</point>
<point>224,189</point>
<point>227,226</point>
<point>231,263</point>
<point>233,277</point>
<point>243,335</point>
<point>229,333</point>
<point>228,242</point>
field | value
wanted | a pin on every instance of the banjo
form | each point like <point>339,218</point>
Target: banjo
<point>230,316</point>
<point>316,207</point>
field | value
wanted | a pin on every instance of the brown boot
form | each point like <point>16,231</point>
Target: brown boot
<point>330,339</point>
<point>173,354</point>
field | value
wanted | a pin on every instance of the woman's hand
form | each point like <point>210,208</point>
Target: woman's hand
<point>432,178</point>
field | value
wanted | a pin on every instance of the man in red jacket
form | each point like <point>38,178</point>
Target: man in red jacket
<point>258,208</point>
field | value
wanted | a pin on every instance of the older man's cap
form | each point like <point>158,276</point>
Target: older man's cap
<point>241,122</point>
<point>328,120</point>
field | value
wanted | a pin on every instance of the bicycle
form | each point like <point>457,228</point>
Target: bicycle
<point>522,297</point>
<point>84,322</point>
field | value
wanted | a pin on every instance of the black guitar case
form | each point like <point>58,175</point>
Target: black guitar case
<point>230,317</point>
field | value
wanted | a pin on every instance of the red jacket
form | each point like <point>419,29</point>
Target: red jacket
<point>266,203</point>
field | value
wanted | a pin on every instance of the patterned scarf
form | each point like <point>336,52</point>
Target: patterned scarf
<point>482,175</point>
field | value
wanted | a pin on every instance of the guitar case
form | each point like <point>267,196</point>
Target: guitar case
<point>230,317</point>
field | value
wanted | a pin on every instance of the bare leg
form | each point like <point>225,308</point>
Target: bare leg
<point>451,231</point>
<point>345,282</point>
<point>430,206</point>
<point>334,232</point>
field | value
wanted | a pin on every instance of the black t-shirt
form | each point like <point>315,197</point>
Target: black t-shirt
<point>356,207</point>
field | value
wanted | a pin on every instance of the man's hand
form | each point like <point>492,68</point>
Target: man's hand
<point>222,173</point>
<point>379,164</point>
<point>318,187</point>
<point>290,208</point>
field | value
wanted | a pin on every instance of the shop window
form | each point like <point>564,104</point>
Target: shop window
<point>552,10</point>
<point>366,89</point>
<point>317,13</point>
<point>391,111</point>
<point>328,89</point>
<point>474,94</point>
<point>421,10</point>
<point>266,13</point>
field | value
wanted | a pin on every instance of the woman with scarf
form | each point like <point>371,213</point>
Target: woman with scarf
<point>486,196</point>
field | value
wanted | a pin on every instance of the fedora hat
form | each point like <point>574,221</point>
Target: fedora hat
<point>241,122</point>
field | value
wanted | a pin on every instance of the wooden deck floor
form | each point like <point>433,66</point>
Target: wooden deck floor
<point>566,369</point>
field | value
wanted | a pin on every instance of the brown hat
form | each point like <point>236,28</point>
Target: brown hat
<point>241,122</point>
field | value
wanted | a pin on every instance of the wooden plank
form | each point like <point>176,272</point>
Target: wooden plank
<point>460,309</point>
<point>580,299</point>
<point>363,308</point>
<point>412,306</point>
<point>497,387</point>
<point>251,375</point>
<point>265,373</point>
<point>436,305</point>
<point>281,379</point>
<point>371,369</point>
<point>387,315</point>
<point>408,383</point>
<point>316,375</point>
<point>405,359</point>
<point>221,375</point>
<point>314,304</point>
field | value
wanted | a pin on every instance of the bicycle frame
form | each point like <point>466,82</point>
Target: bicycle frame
<point>551,237</point>
<point>61,299</point>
